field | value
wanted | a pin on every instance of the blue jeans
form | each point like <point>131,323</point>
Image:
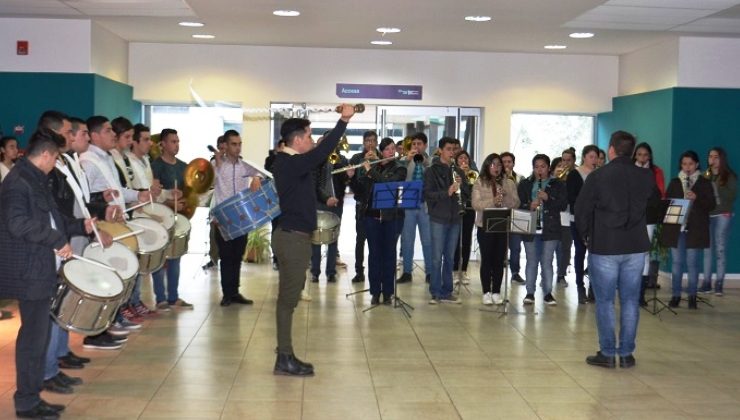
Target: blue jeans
<point>608,274</point>
<point>172,269</point>
<point>412,218</point>
<point>58,347</point>
<point>444,241</point>
<point>515,251</point>
<point>539,253</point>
<point>136,293</point>
<point>331,259</point>
<point>719,232</point>
<point>382,237</point>
<point>691,255</point>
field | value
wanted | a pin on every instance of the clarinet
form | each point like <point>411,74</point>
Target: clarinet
<point>539,207</point>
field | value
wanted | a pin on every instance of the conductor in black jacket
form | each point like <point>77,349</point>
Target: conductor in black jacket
<point>610,218</point>
<point>293,172</point>
<point>33,242</point>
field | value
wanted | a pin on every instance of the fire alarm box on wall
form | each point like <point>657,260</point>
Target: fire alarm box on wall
<point>22,48</point>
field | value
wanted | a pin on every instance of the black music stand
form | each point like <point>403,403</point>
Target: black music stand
<point>502,220</point>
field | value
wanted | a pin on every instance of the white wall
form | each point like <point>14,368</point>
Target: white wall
<point>254,76</point>
<point>651,68</point>
<point>709,62</point>
<point>109,54</point>
<point>55,45</point>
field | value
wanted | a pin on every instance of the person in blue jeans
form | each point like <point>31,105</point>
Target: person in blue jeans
<point>610,214</point>
<point>547,196</point>
<point>724,183</point>
<point>445,196</point>
<point>417,162</point>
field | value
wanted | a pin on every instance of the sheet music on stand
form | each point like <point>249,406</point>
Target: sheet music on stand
<point>677,211</point>
<point>523,222</point>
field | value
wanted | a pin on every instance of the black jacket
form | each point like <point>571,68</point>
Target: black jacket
<point>697,227</point>
<point>610,209</point>
<point>557,201</point>
<point>391,171</point>
<point>442,207</point>
<point>27,240</point>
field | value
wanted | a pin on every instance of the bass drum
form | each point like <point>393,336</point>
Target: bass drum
<point>179,245</point>
<point>327,228</point>
<point>87,299</point>
<point>119,257</point>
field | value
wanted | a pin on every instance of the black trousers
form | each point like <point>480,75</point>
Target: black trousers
<point>467,239</point>
<point>30,352</point>
<point>360,239</point>
<point>493,248</point>
<point>231,253</point>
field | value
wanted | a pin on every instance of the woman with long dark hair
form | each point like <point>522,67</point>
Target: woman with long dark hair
<point>492,190</point>
<point>8,154</point>
<point>724,186</point>
<point>460,265</point>
<point>643,157</point>
<point>687,242</point>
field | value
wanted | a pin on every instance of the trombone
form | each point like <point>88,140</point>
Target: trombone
<point>359,165</point>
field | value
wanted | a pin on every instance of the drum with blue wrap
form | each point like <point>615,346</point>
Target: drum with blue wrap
<point>246,211</point>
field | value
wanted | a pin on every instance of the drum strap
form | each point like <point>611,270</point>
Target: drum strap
<point>71,181</point>
<point>142,172</point>
<point>74,164</point>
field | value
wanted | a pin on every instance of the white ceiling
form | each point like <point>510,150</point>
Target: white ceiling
<point>620,26</point>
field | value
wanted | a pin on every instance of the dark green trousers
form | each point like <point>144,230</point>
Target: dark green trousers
<point>294,252</point>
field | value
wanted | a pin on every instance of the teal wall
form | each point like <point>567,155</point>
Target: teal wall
<point>678,119</point>
<point>27,95</point>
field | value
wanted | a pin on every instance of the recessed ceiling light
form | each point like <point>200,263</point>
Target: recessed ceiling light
<point>477,18</point>
<point>203,36</point>
<point>191,24</point>
<point>581,35</point>
<point>388,30</point>
<point>286,13</point>
<point>381,42</point>
<point>555,47</point>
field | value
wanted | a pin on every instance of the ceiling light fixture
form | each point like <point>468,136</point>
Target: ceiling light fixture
<point>389,30</point>
<point>286,13</point>
<point>477,18</point>
<point>581,35</point>
<point>381,42</point>
<point>555,47</point>
<point>203,36</point>
<point>191,24</point>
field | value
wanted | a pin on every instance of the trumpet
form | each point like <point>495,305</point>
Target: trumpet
<point>564,174</point>
<point>708,174</point>
<point>343,146</point>
<point>471,176</point>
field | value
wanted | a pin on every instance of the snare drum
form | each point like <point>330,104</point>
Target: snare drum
<point>327,228</point>
<point>247,211</point>
<point>159,212</point>
<point>119,257</point>
<point>152,244</point>
<point>118,229</point>
<point>179,245</point>
<point>87,299</point>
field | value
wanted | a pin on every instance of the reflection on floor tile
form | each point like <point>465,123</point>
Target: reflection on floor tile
<point>445,362</point>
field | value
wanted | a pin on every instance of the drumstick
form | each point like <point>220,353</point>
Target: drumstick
<point>124,236</point>
<point>151,198</point>
<point>137,206</point>
<point>89,261</point>
<point>175,192</point>
<point>94,228</point>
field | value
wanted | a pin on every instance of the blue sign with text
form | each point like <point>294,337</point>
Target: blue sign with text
<point>409,92</point>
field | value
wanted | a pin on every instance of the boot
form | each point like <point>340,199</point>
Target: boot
<point>288,364</point>
<point>643,286</point>
<point>581,295</point>
<point>692,302</point>
<point>675,301</point>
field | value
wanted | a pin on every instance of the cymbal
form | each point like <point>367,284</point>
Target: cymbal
<point>199,175</point>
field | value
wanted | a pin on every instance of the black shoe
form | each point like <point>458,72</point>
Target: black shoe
<point>332,278</point>
<point>601,361</point>
<point>208,266</point>
<point>41,411</point>
<point>237,298</point>
<point>77,358</point>
<point>675,301</point>
<point>101,342</point>
<point>56,407</point>
<point>582,299</point>
<point>288,364</point>
<point>65,363</point>
<point>626,362</point>
<point>692,302</point>
<point>428,278</point>
<point>358,278</point>
<point>561,279</point>
<point>517,278</point>
<point>314,279</point>
<point>225,301</point>
<point>387,299</point>
<point>375,300</point>
<point>56,386</point>
<point>405,278</point>
<point>69,380</point>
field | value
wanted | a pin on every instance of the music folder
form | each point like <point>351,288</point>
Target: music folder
<point>496,220</point>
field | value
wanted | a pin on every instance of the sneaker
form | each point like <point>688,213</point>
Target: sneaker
<point>56,386</point>
<point>143,310</point>
<point>497,300</point>
<point>131,326</point>
<point>332,279</point>
<point>718,293</point>
<point>626,362</point>
<point>305,296</point>
<point>433,301</point>
<point>163,306</point>
<point>405,278</point>
<point>487,299</point>
<point>517,278</point>
<point>529,299</point>
<point>705,288</point>
<point>314,279</point>
<point>561,279</point>
<point>451,299</point>
<point>69,380</point>
<point>464,278</point>
<point>102,342</point>
<point>117,330</point>
<point>549,300</point>
<point>179,303</point>
<point>116,339</point>
<point>129,314</point>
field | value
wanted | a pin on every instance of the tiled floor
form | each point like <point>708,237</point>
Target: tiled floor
<point>445,362</point>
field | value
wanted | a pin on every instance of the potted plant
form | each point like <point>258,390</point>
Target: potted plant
<point>258,245</point>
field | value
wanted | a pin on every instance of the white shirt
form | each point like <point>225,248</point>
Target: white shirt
<point>102,174</point>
